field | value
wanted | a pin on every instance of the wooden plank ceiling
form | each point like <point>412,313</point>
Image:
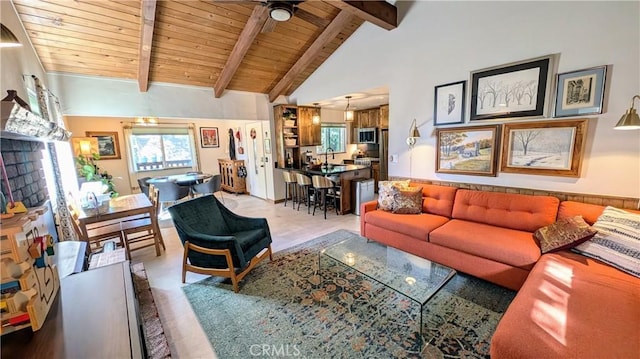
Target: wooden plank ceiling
<point>214,43</point>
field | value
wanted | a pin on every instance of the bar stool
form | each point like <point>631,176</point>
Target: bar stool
<point>324,188</point>
<point>289,187</point>
<point>304,190</point>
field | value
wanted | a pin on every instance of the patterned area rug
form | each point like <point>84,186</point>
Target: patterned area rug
<point>288,308</point>
<point>155,340</point>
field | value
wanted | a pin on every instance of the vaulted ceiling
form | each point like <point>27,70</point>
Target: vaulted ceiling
<point>223,44</point>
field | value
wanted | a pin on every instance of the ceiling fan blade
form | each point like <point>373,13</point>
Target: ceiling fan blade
<point>235,2</point>
<point>269,25</point>
<point>311,18</point>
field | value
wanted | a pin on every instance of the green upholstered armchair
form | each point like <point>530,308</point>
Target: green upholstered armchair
<point>217,241</point>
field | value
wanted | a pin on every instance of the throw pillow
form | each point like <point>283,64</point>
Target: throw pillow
<point>407,200</point>
<point>386,191</point>
<point>617,242</point>
<point>564,234</point>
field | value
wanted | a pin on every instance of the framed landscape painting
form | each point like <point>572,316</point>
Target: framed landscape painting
<point>209,137</point>
<point>580,92</point>
<point>108,145</point>
<point>514,90</point>
<point>550,148</point>
<point>449,103</point>
<point>467,150</point>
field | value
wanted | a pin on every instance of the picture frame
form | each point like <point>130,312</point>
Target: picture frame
<point>516,90</point>
<point>471,150</point>
<point>580,92</point>
<point>209,137</point>
<point>108,145</point>
<point>449,103</point>
<point>549,148</point>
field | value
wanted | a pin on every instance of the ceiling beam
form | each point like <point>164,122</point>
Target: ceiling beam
<point>148,17</point>
<point>247,36</point>
<point>377,12</point>
<point>329,33</point>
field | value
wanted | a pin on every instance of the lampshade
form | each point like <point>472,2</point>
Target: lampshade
<point>348,112</point>
<point>7,38</point>
<point>413,134</point>
<point>281,11</point>
<point>630,120</point>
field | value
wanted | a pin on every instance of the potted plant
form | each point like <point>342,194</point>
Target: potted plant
<point>89,171</point>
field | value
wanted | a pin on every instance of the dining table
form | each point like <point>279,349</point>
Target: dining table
<point>185,179</point>
<point>119,209</point>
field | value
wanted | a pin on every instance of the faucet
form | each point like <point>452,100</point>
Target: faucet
<point>326,156</point>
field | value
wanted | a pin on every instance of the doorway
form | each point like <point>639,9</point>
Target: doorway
<point>256,171</point>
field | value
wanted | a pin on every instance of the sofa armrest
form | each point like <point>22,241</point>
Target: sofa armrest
<point>364,208</point>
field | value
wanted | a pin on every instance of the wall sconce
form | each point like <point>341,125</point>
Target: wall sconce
<point>630,120</point>
<point>147,121</point>
<point>7,38</point>
<point>413,134</point>
<point>316,114</point>
<point>348,113</point>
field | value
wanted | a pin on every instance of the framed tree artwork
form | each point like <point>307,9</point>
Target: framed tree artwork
<point>209,137</point>
<point>108,145</point>
<point>515,90</point>
<point>580,92</point>
<point>550,148</point>
<point>468,150</point>
<point>449,103</point>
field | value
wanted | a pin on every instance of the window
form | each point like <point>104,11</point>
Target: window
<point>333,136</point>
<point>161,148</point>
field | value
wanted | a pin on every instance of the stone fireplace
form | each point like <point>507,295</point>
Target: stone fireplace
<point>23,162</point>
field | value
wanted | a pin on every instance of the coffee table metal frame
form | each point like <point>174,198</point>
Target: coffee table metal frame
<point>414,277</point>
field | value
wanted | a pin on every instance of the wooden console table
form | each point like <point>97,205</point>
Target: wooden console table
<point>94,316</point>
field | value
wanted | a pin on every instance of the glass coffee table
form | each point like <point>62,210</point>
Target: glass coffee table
<point>416,278</point>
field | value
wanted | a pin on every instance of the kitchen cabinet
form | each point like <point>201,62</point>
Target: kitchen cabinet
<point>384,117</point>
<point>308,132</point>
<point>287,136</point>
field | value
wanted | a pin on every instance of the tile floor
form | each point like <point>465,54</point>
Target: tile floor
<point>288,228</point>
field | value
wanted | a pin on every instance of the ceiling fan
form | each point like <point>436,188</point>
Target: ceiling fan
<point>280,11</point>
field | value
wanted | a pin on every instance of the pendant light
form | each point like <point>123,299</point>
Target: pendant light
<point>348,113</point>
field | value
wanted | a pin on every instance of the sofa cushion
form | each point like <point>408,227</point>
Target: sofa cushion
<point>617,241</point>
<point>571,306</point>
<point>437,199</point>
<point>407,200</point>
<point>416,226</point>
<point>385,193</point>
<point>565,233</point>
<point>515,211</point>
<point>589,212</point>
<point>504,245</point>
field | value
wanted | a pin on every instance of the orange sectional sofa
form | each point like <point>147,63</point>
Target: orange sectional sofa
<point>567,305</point>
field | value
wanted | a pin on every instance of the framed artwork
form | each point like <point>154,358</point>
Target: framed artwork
<point>209,137</point>
<point>467,150</point>
<point>550,148</point>
<point>449,103</point>
<point>580,92</point>
<point>516,90</point>
<point>108,145</point>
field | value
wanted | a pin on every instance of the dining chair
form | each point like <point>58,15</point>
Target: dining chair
<point>142,232</point>
<point>325,189</point>
<point>171,192</point>
<point>144,185</point>
<point>212,186</point>
<point>96,233</point>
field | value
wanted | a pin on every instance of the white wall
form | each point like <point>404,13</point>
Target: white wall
<point>442,42</point>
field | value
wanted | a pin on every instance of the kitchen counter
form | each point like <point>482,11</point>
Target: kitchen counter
<point>342,176</point>
<point>333,170</point>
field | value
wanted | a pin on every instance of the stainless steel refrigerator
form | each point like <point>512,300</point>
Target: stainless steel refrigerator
<point>383,149</point>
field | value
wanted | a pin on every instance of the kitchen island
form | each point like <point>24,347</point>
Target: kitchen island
<point>341,175</point>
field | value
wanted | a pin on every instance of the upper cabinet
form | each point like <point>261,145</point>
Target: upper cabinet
<point>384,117</point>
<point>309,132</point>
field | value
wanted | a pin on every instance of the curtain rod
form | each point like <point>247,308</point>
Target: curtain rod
<point>135,124</point>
